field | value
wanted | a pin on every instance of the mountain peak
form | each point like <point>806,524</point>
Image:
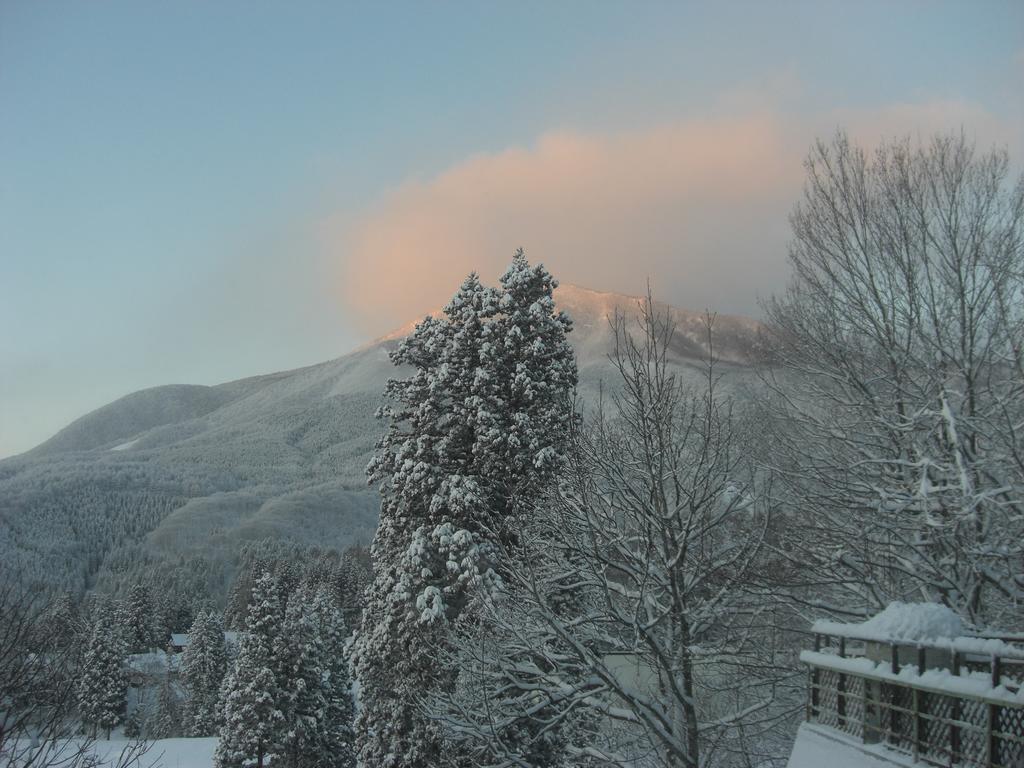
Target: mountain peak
<point>591,310</point>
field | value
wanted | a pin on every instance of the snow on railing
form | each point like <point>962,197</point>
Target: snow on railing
<point>872,631</point>
<point>950,701</point>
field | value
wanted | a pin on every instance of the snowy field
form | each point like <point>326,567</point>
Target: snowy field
<point>165,753</point>
<point>177,753</point>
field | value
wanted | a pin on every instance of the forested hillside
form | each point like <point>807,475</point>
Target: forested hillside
<point>166,485</point>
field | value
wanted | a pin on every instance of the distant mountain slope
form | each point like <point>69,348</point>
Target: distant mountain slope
<point>184,475</point>
<point>136,413</point>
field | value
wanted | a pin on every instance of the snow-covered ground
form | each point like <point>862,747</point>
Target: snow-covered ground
<point>818,748</point>
<point>182,753</point>
<point>165,753</point>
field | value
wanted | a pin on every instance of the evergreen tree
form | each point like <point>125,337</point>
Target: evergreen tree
<point>163,721</point>
<point>61,623</point>
<point>132,724</point>
<point>239,597</point>
<point>252,718</point>
<point>479,425</point>
<point>173,614</point>
<point>288,574</point>
<point>392,653</point>
<point>138,620</point>
<point>299,657</point>
<point>522,392</point>
<point>337,746</point>
<point>312,671</point>
<point>203,666</point>
<point>103,684</point>
<point>252,698</point>
<point>353,576</point>
<point>266,608</point>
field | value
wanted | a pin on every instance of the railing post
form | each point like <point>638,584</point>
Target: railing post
<point>920,731</point>
<point>864,710</point>
<point>887,718</point>
<point>955,714</point>
<point>841,688</point>
<point>888,691</point>
<point>916,698</point>
<point>812,694</point>
<point>894,716</point>
<point>841,700</point>
<point>992,715</point>
<point>991,741</point>
<point>812,712</point>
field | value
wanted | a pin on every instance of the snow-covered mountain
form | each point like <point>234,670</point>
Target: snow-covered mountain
<point>183,475</point>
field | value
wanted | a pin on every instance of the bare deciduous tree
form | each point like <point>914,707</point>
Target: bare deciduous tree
<point>38,724</point>
<point>628,633</point>
<point>899,385</point>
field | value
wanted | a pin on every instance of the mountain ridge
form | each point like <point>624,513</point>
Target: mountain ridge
<point>191,473</point>
<point>596,305</point>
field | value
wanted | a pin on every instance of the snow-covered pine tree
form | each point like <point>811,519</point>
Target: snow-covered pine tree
<point>479,424</point>
<point>266,608</point>
<point>522,420</point>
<point>62,622</point>
<point>103,684</point>
<point>299,657</point>
<point>252,718</point>
<point>523,388</point>
<point>237,608</point>
<point>392,655</point>
<point>353,576</point>
<point>203,666</point>
<point>163,720</point>
<point>138,620</point>
<point>173,614</point>
<point>288,574</point>
<point>337,745</point>
<point>251,697</point>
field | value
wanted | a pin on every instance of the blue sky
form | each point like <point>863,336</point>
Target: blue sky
<point>195,192</point>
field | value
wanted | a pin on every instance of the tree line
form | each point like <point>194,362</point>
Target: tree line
<point>73,672</point>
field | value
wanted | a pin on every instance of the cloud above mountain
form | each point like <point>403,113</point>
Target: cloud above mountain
<point>699,207</point>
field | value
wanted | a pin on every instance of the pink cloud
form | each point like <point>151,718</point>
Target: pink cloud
<point>699,207</point>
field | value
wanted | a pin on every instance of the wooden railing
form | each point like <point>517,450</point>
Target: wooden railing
<point>966,711</point>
